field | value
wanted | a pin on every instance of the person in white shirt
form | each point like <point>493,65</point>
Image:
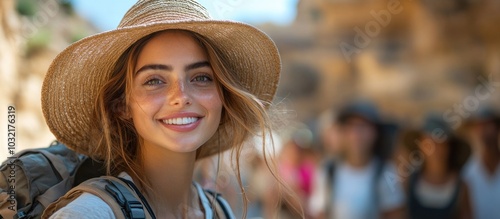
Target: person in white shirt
<point>482,172</point>
<point>353,186</point>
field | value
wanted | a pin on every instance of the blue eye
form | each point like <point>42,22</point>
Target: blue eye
<point>202,78</point>
<point>153,82</point>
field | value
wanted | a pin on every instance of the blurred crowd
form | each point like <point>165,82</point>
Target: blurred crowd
<point>354,164</point>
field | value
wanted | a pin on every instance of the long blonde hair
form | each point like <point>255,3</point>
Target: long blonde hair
<point>243,115</point>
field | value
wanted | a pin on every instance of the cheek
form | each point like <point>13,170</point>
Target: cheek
<point>356,136</point>
<point>144,107</point>
<point>348,137</point>
<point>211,101</point>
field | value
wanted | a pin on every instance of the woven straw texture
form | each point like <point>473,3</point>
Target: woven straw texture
<point>77,74</point>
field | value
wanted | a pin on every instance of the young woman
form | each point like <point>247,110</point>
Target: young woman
<point>436,190</point>
<point>168,87</point>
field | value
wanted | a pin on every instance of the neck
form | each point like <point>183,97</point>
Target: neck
<point>435,171</point>
<point>170,177</point>
<point>358,161</point>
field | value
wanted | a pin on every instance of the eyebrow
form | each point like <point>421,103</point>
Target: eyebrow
<point>189,67</point>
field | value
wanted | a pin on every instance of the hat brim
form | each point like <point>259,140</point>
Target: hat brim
<point>77,74</point>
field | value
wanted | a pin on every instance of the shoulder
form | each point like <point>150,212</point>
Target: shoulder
<point>86,206</point>
<point>390,187</point>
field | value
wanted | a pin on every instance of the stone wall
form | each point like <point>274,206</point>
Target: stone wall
<point>410,57</point>
<point>9,58</point>
<point>32,33</point>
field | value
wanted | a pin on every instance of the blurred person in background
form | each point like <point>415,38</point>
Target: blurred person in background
<point>329,135</point>
<point>260,190</point>
<point>296,164</point>
<point>435,188</point>
<point>258,181</point>
<point>352,186</point>
<point>482,171</point>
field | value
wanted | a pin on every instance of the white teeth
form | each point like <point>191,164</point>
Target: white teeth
<point>180,121</point>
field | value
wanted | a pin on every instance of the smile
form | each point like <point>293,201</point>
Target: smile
<point>180,121</point>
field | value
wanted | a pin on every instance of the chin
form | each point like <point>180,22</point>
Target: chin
<point>182,146</point>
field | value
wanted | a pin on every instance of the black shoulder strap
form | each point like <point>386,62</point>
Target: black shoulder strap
<point>330,168</point>
<point>138,192</point>
<point>379,168</point>
<point>330,172</point>
<point>131,207</point>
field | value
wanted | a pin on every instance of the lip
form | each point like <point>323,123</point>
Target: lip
<point>182,128</point>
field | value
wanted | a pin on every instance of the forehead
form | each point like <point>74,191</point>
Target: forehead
<point>173,43</point>
<point>172,35</point>
<point>356,119</point>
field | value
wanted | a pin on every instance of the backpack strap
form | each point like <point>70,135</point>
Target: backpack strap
<point>330,169</point>
<point>54,192</point>
<point>117,194</point>
<point>139,193</point>
<point>221,205</point>
<point>57,163</point>
<point>130,205</point>
<point>60,188</point>
<point>379,168</point>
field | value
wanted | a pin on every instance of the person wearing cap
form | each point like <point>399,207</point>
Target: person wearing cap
<point>168,87</point>
<point>435,188</point>
<point>482,171</point>
<point>353,185</point>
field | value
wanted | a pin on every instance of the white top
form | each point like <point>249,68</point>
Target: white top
<point>86,206</point>
<point>435,196</point>
<point>89,206</point>
<point>484,189</point>
<point>353,195</point>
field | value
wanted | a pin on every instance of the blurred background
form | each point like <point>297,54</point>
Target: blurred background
<point>408,58</point>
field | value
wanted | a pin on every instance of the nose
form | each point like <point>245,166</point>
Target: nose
<point>178,94</point>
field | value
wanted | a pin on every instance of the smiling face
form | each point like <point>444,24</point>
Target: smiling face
<point>174,102</point>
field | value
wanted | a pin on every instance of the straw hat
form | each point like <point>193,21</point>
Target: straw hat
<point>77,74</point>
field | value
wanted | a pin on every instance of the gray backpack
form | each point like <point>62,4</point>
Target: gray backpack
<point>37,182</point>
<point>32,179</point>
